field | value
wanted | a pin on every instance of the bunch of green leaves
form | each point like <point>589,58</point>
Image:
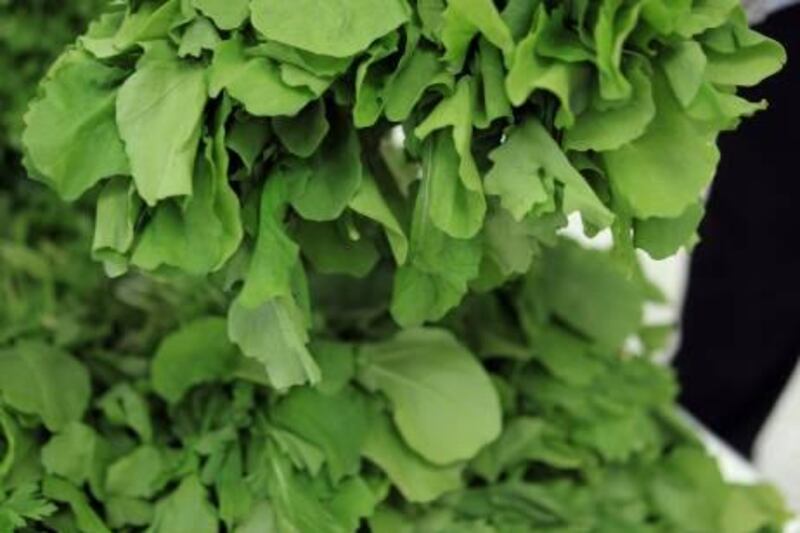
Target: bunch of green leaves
<point>152,419</point>
<point>343,174</point>
<point>32,34</point>
<point>426,148</point>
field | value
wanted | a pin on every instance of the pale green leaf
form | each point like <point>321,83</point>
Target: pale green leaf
<point>159,114</point>
<point>417,480</point>
<point>340,29</point>
<point>664,171</point>
<point>71,139</point>
<point>443,402</point>
<point>275,334</point>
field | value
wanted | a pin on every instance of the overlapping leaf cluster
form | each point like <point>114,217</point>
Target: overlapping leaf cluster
<point>335,176</point>
<point>260,140</point>
<point>131,429</point>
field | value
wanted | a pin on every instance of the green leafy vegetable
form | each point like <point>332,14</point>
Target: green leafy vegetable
<point>337,296</point>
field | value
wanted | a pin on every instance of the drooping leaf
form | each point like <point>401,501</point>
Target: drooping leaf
<point>159,114</point>
<point>79,95</point>
<point>663,172</point>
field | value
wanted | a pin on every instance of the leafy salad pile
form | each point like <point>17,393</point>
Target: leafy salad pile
<point>338,295</point>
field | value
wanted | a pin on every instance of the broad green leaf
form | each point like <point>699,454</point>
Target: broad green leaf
<point>664,171</point>
<point>342,29</point>
<point>417,480</point>
<point>71,139</point>
<point>755,58</point>
<point>254,81</point>
<point>275,334</point>
<point>44,381</point>
<point>198,353</point>
<point>159,115</point>
<point>444,404</point>
<point>317,418</point>
<point>688,489</point>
